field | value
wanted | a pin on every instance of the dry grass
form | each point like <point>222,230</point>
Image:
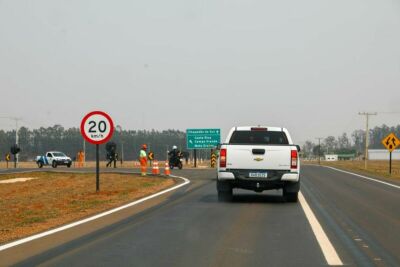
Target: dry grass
<point>58,198</point>
<point>378,168</point>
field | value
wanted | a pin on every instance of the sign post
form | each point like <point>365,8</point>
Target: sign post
<point>97,128</point>
<point>202,139</point>
<point>8,158</point>
<point>390,142</point>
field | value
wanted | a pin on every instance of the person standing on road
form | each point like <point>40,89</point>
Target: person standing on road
<point>115,159</point>
<point>143,160</point>
<point>80,157</point>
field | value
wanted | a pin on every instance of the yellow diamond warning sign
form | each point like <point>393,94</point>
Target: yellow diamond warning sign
<point>391,142</point>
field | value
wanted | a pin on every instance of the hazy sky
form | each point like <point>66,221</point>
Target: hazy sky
<point>308,65</point>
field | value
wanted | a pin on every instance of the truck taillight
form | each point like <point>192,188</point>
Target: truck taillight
<point>293,159</point>
<point>259,129</point>
<point>222,158</point>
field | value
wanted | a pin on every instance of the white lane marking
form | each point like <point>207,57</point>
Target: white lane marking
<point>68,226</point>
<point>364,177</point>
<point>326,246</point>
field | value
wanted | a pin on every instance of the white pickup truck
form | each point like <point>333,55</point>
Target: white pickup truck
<point>258,158</point>
<point>53,158</point>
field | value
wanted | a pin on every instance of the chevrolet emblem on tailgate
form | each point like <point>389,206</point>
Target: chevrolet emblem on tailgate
<point>259,159</point>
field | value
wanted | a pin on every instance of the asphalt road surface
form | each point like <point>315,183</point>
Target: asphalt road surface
<point>360,218</point>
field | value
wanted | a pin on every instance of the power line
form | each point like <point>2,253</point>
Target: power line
<point>389,112</point>
<point>367,115</point>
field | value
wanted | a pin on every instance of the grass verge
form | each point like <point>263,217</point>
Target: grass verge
<point>54,199</point>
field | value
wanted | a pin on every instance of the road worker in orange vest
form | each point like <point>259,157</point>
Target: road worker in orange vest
<point>81,158</point>
<point>143,160</point>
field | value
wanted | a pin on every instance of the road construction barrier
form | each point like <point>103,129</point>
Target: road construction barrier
<point>213,160</point>
<point>155,170</point>
<point>167,171</point>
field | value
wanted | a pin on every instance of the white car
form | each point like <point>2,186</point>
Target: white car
<point>53,158</point>
<point>258,158</point>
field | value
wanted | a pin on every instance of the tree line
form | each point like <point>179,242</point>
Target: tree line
<point>39,141</point>
<point>70,141</point>
<point>354,144</point>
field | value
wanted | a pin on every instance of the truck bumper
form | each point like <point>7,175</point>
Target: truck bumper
<point>287,180</point>
<point>289,177</point>
<point>226,176</point>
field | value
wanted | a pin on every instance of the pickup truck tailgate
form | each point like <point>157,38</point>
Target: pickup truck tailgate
<point>258,157</point>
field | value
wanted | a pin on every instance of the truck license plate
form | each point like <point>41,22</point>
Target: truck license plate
<point>258,175</point>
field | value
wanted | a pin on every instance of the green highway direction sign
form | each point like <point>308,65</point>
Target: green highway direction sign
<point>203,138</point>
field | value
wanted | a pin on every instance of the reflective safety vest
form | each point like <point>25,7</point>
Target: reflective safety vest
<point>142,154</point>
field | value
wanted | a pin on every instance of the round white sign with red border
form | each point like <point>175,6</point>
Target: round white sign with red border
<point>97,127</point>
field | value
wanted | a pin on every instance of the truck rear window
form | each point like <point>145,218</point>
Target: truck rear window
<point>259,138</point>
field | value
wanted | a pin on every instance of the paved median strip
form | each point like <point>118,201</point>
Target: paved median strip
<point>327,248</point>
<point>103,214</point>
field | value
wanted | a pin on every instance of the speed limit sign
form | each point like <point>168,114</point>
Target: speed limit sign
<point>97,127</point>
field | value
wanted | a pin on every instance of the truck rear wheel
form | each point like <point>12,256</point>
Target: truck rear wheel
<point>225,192</point>
<point>291,191</point>
<point>291,197</point>
<point>225,196</point>
<point>40,164</point>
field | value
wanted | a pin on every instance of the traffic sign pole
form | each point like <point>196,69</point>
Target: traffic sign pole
<point>97,169</point>
<point>195,158</point>
<point>390,142</point>
<point>97,128</point>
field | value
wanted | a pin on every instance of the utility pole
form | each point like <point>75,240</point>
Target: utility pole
<point>319,149</point>
<point>366,114</point>
<point>122,143</point>
<point>84,153</point>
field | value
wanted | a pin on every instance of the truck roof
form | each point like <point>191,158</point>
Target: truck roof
<point>248,128</point>
<point>268,128</point>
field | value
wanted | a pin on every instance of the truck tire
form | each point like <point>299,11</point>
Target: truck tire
<point>40,164</point>
<point>54,164</point>
<point>225,192</point>
<point>290,197</point>
<point>225,196</point>
<point>69,165</point>
<point>291,191</point>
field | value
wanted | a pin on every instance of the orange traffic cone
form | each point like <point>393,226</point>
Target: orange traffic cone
<point>167,171</point>
<point>155,170</point>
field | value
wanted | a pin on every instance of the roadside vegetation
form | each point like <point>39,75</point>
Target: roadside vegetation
<point>54,199</point>
<point>34,142</point>
<point>351,145</point>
